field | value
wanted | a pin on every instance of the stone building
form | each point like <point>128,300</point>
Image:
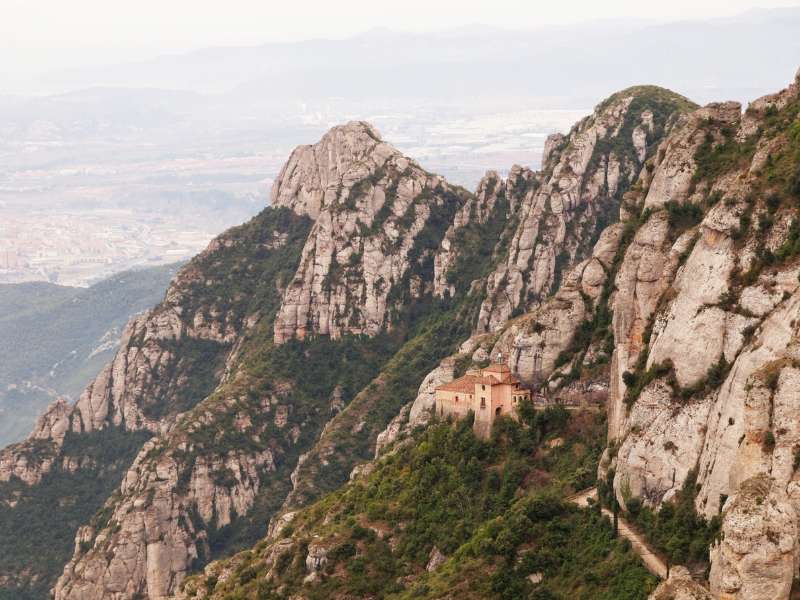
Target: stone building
<point>489,393</point>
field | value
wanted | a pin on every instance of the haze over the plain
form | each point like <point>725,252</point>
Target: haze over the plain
<point>125,142</point>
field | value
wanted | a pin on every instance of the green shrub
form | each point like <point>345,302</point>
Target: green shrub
<point>676,529</point>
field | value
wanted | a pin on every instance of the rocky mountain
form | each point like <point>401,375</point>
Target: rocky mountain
<point>55,339</point>
<point>650,263</point>
<point>685,315</point>
<point>580,187</point>
<point>378,217</point>
<point>705,333</point>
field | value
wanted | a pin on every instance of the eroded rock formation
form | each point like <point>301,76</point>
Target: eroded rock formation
<point>583,178</point>
<point>378,219</point>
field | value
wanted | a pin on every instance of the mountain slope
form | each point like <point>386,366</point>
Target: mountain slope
<point>444,514</point>
<point>237,476</point>
<point>170,358</point>
<point>497,223</point>
<point>55,339</point>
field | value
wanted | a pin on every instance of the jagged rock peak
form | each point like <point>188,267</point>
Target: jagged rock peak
<point>565,205</point>
<point>365,255</point>
<point>315,175</point>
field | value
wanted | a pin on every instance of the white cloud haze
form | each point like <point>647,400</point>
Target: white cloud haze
<point>192,23</point>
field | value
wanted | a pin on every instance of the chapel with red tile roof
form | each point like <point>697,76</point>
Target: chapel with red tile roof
<point>489,393</point>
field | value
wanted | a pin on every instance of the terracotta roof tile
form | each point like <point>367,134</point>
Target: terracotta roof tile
<point>467,383</point>
<point>464,384</point>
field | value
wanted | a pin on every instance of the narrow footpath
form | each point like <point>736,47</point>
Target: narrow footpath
<point>651,560</point>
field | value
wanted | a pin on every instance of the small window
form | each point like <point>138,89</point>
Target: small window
<point>498,410</point>
<point>483,387</point>
<point>456,398</point>
<point>483,402</point>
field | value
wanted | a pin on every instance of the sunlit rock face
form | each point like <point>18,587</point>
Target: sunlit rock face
<point>379,218</point>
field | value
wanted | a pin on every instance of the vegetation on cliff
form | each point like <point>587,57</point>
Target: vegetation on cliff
<point>38,523</point>
<point>493,510</point>
<point>307,410</point>
<point>239,274</point>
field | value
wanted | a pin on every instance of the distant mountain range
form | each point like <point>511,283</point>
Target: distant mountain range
<point>713,60</point>
<point>54,339</point>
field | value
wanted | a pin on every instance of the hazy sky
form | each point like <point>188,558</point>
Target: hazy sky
<point>43,36</point>
<point>183,24</point>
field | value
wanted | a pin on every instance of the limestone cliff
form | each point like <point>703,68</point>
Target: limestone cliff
<point>564,206</point>
<point>379,218</point>
<point>706,312</point>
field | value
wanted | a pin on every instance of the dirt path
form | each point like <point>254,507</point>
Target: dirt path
<point>651,560</point>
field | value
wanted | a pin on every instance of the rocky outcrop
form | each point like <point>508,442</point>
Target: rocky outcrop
<point>584,176</point>
<point>684,310</point>
<point>757,555</point>
<point>680,586</point>
<point>419,413</point>
<point>145,386</point>
<point>533,344</point>
<point>152,544</point>
<point>180,487</point>
<point>378,219</point>
<point>483,226</point>
<point>119,395</point>
<point>317,557</point>
<point>315,176</point>
<point>435,559</point>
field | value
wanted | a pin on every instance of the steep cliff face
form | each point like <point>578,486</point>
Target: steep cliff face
<point>379,219</point>
<point>583,178</point>
<point>705,301</point>
<point>758,552</point>
<point>705,326</point>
